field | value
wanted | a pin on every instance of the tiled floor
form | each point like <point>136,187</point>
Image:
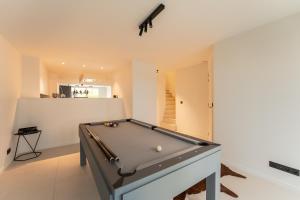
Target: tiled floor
<point>56,175</point>
<point>253,188</point>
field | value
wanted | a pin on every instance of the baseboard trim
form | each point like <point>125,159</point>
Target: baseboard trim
<point>263,176</point>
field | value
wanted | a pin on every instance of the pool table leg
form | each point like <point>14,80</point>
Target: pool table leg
<point>213,186</point>
<point>82,156</point>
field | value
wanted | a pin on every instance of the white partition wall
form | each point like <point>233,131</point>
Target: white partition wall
<point>144,83</point>
<point>122,87</point>
<point>59,118</point>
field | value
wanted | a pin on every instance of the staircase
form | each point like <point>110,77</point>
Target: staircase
<point>169,119</point>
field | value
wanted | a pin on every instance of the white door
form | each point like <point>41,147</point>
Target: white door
<point>192,100</point>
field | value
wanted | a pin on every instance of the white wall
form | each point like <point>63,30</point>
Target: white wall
<point>30,77</point>
<point>122,86</point>
<point>257,99</point>
<point>44,86</point>
<point>144,83</point>
<point>10,81</point>
<point>161,95</point>
<point>59,118</point>
<point>192,89</point>
<point>34,77</point>
<point>53,81</point>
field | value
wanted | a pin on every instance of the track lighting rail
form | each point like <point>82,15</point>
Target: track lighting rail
<point>148,21</point>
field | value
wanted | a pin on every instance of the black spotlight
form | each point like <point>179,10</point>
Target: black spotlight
<point>144,25</point>
<point>150,24</point>
<point>141,31</point>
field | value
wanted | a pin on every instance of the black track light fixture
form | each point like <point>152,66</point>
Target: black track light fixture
<point>144,25</point>
<point>150,24</point>
<point>141,31</point>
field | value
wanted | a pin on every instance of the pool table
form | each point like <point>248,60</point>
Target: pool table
<point>127,164</point>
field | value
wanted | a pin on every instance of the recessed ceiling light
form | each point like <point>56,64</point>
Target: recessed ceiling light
<point>89,80</point>
<point>83,65</point>
<point>63,63</point>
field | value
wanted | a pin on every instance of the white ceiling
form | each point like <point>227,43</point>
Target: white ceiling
<point>105,32</point>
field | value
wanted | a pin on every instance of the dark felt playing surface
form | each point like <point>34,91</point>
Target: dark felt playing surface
<point>136,145</point>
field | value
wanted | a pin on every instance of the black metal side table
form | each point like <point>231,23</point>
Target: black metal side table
<point>25,132</point>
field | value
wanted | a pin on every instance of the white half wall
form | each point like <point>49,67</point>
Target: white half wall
<point>10,89</point>
<point>59,118</point>
<point>144,84</point>
<point>192,116</point>
<point>257,99</point>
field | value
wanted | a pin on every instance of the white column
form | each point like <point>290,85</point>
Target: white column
<point>144,83</point>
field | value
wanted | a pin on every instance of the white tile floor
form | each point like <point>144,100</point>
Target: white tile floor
<point>56,175</point>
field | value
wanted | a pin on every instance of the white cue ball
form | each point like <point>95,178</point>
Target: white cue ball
<point>158,148</point>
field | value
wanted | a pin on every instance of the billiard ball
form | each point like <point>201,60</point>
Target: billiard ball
<point>158,148</point>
